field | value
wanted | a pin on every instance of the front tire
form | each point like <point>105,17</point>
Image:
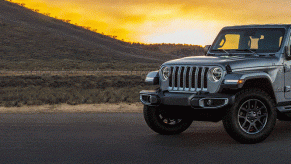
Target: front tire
<point>252,117</point>
<point>161,122</point>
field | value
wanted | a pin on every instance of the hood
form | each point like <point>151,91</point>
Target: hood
<point>235,62</point>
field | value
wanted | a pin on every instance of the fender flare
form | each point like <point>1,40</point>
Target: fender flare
<point>152,78</point>
<point>233,79</point>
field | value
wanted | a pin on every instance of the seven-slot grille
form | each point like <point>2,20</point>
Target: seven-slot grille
<point>188,78</point>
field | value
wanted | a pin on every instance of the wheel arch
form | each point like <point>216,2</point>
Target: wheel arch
<point>246,80</point>
<point>262,83</point>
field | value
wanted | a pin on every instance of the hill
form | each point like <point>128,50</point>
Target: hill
<point>33,41</point>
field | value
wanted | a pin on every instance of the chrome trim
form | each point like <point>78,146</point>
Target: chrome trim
<point>184,77</point>
<point>195,75</point>
<point>179,77</point>
<point>196,78</point>
<point>190,79</point>
<point>202,77</point>
<point>173,78</point>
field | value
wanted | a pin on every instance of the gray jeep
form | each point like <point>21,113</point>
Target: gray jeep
<point>244,79</point>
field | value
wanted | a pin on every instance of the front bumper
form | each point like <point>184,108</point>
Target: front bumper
<point>199,100</point>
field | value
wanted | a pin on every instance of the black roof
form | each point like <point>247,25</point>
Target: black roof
<point>260,26</point>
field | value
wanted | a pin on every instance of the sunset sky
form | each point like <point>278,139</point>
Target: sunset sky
<point>164,21</point>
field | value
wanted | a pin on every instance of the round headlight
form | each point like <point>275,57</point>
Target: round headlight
<point>165,73</point>
<point>215,74</point>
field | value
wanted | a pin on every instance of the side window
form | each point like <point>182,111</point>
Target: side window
<point>230,41</point>
<point>288,60</point>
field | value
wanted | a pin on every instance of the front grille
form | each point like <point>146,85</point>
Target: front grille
<point>188,78</point>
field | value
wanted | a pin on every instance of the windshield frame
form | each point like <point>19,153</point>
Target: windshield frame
<point>249,50</point>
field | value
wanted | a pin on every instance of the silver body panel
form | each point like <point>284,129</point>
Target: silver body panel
<point>244,66</point>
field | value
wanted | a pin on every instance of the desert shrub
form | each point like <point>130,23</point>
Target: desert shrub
<point>37,90</point>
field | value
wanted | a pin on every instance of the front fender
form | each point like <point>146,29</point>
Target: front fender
<point>237,80</point>
<point>152,78</point>
<point>257,75</point>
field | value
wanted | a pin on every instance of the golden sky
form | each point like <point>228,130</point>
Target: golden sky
<point>164,21</point>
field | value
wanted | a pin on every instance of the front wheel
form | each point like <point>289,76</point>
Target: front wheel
<point>252,118</point>
<point>164,123</point>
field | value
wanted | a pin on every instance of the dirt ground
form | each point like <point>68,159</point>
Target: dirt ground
<point>84,108</point>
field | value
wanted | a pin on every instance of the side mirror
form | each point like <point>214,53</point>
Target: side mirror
<point>287,53</point>
<point>206,48</point>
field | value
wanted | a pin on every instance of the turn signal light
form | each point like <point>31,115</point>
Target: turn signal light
<point>240,81</point>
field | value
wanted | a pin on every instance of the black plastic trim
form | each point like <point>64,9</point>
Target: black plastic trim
<point>186,99</point>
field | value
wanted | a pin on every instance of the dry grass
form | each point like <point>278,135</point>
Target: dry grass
<point>72,73</point>
<point>81,108</point>
<point>73,90</point>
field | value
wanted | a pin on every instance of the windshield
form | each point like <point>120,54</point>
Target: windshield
<point>249,40</point>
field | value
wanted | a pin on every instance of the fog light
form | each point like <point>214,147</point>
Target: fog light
<point>213,102</point>
<point>149,99</point>
<point>209,102</point>
<point>145,99</point>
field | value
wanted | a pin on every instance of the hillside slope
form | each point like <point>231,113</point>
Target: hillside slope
<point>32,41</point>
